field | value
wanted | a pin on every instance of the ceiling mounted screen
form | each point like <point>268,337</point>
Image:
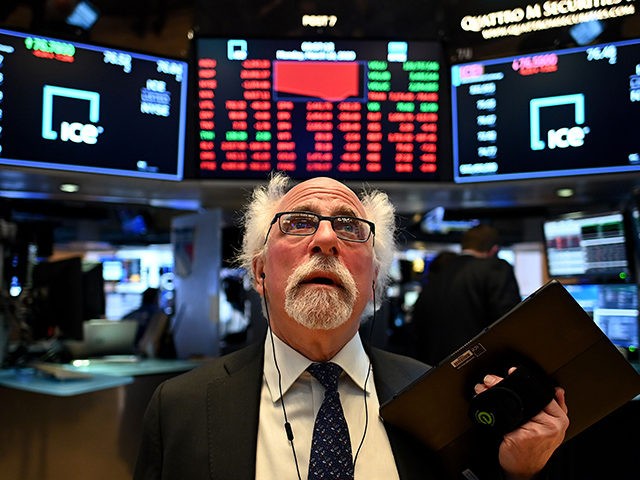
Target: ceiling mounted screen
<point>351,109</point>
<point>87,108</point>
<point>550,114</point>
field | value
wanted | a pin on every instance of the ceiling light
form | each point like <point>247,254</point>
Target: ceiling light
<point>565,192</point>
<point>69,187</point>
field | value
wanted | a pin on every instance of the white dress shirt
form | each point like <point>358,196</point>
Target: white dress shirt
<point>303,396</point>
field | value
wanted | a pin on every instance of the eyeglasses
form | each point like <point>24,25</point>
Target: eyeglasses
<point>351,229</point>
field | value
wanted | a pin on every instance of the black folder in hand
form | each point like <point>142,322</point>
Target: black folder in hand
<point>549,329</point>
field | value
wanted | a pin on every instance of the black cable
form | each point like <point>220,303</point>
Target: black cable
<point>364,391</point>
<point>287,426</point>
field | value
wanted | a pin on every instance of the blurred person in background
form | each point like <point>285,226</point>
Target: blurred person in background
<point>462,295</point>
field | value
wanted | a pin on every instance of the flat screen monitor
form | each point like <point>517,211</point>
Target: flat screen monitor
<point>592,248</point>
<point>57,306</point>
<point>349,109</point>
<point>551,114</point>
<point>65,293</point>
<point>113,270</point>
<point>87,108</point>
<point>614,308</point>
<point>93,293</point>
<point>121,270</point>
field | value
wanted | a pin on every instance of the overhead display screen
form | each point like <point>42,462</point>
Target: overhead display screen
<point>85,108</point>
<point>351,109</point>
<point>558,113</point>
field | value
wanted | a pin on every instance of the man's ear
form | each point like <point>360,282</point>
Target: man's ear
<point>493,251</point>
<point>258,275</point>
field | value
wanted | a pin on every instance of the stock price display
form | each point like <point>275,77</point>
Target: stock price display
<point>555,113</point>
<point>88,108</point>
<point>357,109</point>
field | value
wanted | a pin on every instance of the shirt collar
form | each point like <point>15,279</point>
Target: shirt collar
<point>352,358</point>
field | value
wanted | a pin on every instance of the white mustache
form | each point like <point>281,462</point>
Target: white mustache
<point>319,308</point>
<point>324,264</point>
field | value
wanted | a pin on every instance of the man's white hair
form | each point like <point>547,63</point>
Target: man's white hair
<point>264,205</point>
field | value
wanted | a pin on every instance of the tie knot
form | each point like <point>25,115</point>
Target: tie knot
<point>327,374</point>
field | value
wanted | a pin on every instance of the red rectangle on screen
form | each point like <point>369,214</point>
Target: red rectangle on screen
<point>332,81</point>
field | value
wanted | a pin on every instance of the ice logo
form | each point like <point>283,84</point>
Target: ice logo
<point>71,131</point>
<point>561,137</point>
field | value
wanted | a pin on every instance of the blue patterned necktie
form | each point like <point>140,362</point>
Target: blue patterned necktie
<point>330,446</point>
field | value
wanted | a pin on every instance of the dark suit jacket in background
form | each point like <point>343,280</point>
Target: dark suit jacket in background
<point>204,424</point>
<point>465,295</point>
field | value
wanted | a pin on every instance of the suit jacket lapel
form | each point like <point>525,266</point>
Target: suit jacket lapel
<point>233,406</point>
<point>413,460</point>
<point>393,373</point>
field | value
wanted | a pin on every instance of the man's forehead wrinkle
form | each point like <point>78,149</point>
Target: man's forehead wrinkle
<point>336,196</point>
<point>335,207</point>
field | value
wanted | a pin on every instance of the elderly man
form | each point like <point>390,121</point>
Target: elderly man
<point>304,404</point>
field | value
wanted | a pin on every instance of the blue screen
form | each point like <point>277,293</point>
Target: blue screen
<point>614,308</point>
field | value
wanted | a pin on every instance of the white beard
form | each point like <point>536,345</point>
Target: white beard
<point>318,307</point>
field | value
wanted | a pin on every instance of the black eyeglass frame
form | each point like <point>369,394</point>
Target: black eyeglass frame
<point>330,219</point>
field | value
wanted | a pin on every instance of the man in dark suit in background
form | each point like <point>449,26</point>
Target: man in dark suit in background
<point>319,256</point>
<point>462,295</point>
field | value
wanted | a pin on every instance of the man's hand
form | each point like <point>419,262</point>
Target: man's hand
<point>526,450</point>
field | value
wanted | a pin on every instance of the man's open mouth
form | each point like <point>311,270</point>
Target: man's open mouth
<point>319,280</point>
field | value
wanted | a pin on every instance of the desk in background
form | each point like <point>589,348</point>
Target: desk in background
<point>91,435</point>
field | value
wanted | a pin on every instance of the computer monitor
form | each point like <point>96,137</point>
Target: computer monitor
<point>589,247</point>
<point>121,270</point>
<point>65,293</point>
<point>93,293</point>
<point>113,270</point>
<point>614,308</point>
<point>57,306</point>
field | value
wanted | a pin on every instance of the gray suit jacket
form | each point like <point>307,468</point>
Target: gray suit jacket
<point>203,424</point>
